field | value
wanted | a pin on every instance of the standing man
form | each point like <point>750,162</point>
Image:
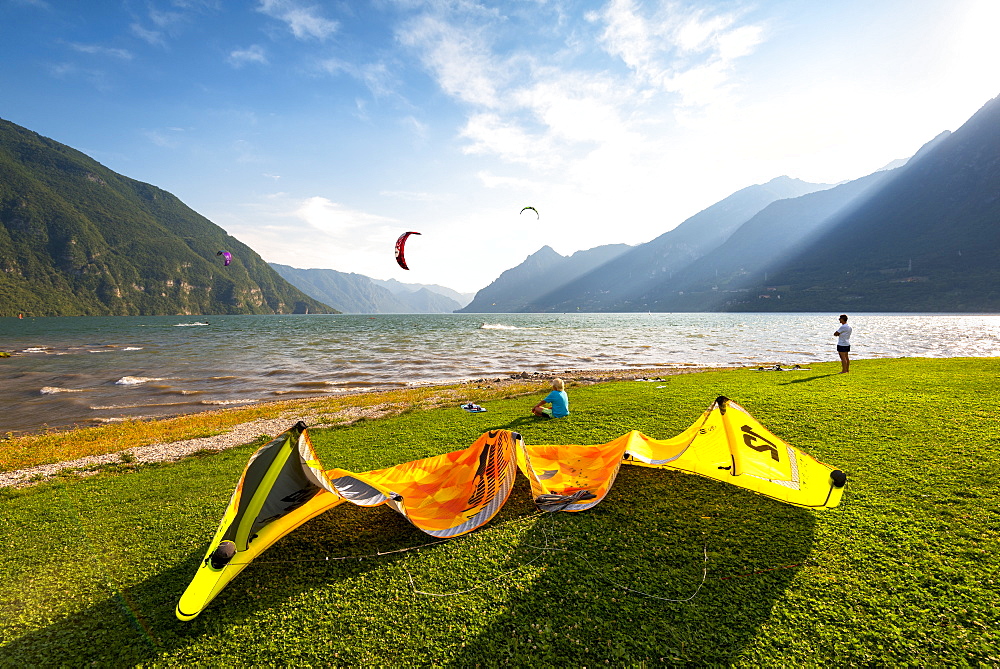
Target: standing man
<point>844,344</point>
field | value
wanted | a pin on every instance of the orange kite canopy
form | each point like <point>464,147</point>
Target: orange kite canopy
<point>284,485</point>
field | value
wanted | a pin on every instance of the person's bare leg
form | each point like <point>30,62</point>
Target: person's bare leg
<point>845,363</point>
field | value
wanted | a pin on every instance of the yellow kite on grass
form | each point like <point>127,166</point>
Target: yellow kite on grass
<point>448,495</point>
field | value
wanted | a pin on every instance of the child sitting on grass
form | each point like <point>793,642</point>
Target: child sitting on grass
<point>557,398</point>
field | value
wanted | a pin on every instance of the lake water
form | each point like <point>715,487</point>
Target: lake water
<point>88,371</point>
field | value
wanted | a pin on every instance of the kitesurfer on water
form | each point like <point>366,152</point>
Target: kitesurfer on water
<point>843,334</point>
<point>557,398</point>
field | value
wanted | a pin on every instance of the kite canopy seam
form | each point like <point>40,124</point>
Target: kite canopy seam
<point>284,485</point>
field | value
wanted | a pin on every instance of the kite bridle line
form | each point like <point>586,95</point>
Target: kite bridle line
<point>376,554</point>
<point>704,576</point>
<point>521,566</point>
<point>547,534</point>
<point>541,549</point>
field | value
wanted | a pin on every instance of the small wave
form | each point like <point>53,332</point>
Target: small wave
<point>36,349</point>
<point>116,407</point>
<point>136,380</point>
<point>188,325</point>
<point>280,372</point>
<point>223,378</point>
<point>51,390</point>
<point>132,348</point>
<point>311,384</point>
<point>497,326</point>
<point>344,389</point>
<point>103,350</point>
<point>226,402</point>
<point>302,391</point>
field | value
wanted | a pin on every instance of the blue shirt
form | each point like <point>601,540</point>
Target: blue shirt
<point>560,403</point>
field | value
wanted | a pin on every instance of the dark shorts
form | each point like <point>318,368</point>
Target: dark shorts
<point>843,349</point>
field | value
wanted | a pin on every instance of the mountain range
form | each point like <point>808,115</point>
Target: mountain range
<point>518,288</point>
<point>611,278</point>
<point>359,294</point>
<point>921,236</point>
<point>79,239</point>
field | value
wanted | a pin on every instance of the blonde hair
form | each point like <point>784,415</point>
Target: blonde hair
<point>557,384</point>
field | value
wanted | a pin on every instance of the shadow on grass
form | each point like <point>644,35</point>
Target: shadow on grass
<point>808,378</point>
<point>604,588</point>
<point>518,423</point>
<point>567,599</point>
<point>137,624</point>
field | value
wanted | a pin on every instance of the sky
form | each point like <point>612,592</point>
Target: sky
<point>318,131</point>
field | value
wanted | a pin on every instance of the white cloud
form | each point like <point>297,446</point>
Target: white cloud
<point>96,78</point>
<point>416,127</point>
<point>490,180</point>
<point>252,54</point>
<point>458,58</point>
<point>99,50</point>
<point>337,220</point>
<point>377,77</point>
<point>304,21</point>
<point>164,19</point>
<point>165,22</point>
<point>492,134</point>
<point>246,152</point>
<point>566,117</point>
<point>414,196</point>
<point>153,37</point>
<point>687,51</point>
<point>166,140</point>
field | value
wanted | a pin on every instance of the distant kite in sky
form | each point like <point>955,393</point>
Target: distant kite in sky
<point>227,255</point>
<point>400,244</point>
<point>532,209</point>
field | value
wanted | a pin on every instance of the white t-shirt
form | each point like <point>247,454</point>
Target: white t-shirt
<point>844,332</point>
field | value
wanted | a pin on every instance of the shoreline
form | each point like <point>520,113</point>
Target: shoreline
<point>312,413</point>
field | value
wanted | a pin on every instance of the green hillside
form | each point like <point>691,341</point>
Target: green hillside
<point>79,239</point>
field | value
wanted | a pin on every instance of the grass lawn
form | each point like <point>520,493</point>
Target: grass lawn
<point>904,572</point>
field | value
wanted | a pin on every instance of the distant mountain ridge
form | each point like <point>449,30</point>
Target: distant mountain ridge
<point>358,294</point>
<point>927,240</point>
<point>518,288</point>
<point>919,236</point>
<point>77,238</point>
<point>778,231</point>
<point>398,287</point>
<point>611,279</point>
<point>620,284</point>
